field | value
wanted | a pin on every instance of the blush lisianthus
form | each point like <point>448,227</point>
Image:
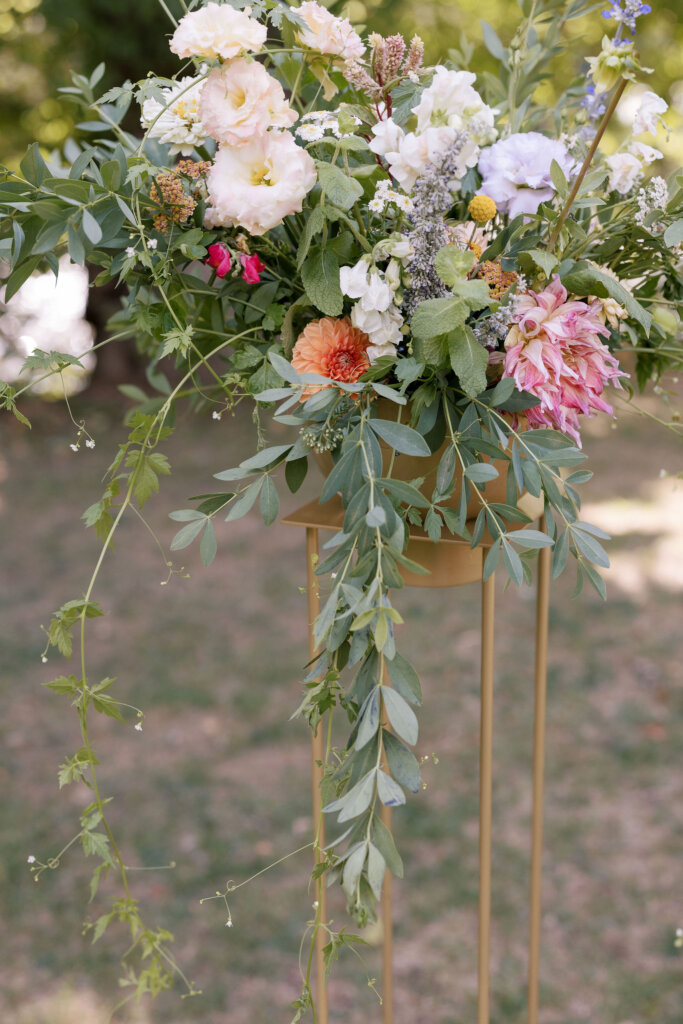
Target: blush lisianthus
<point>241,100</point>
<point>554,352</point>
<point>331,348</point>
<point>217,30</point>
<point>258,184</point>
<point>516,171</point>
<point>328,34</point>
<point>175,121</point>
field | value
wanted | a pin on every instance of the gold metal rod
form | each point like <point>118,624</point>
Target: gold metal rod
<point>387,937</point>
<point>485,799</point>
<point>541,677</point>
<point>317,756</point>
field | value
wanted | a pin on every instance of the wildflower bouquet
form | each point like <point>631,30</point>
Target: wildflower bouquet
<point>388,260</point>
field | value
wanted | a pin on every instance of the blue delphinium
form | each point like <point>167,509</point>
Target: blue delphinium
<point>627,14</point>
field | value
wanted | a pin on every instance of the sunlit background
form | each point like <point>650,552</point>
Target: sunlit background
<point>215,660</point>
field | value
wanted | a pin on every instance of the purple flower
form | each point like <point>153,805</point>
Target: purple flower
<point>516,171</point>
<point>627,14</point>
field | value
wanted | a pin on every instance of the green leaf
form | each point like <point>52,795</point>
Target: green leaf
<point>674,234</point>
<point>584,279</point>
<point>402,762</point>
<point>369,720</point>
<point>33,167</point>
<point>400,715</point>
<point>491,41</point>
<point>558,178</point>
<point>513,563</point>
<point>187,534</point>
<point>352,870</point>
<point>340,188</point>
<point>452,264</point>
<point>389,792</point>
<point>313,226</point>
<point>295,473</point>
<point>245,501</point>
<point>92,229</point>
<point>64,684</point>
<point>384,841</point>
<point>481,473</point>
<point>537,257</point>
<point>377,867</point>
<point>438,316</point>
<point>19,276</point>
<point>531,539</point>
<point>208,545</point>
<point>469,360</point>
<point>320,277</point>
<point>400,437</point>
<point>265,457</point>
<point>270,503</point>
<point>404,679</point>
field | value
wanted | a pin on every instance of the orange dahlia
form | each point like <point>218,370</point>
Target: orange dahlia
<point>331,348</point>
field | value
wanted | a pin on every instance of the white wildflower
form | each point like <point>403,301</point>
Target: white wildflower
<point>130,252</point>
<point>152,243</point>
<point>138,727</point>
<point>215,415</point>
<point>73,447</point>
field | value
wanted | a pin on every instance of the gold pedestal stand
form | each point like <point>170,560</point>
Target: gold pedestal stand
<point>452,563</point>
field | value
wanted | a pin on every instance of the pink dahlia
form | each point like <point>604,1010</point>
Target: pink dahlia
<point>554,352</point>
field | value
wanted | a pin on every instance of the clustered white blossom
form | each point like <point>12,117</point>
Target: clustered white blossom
<point>653,196</point>
<point>318,122</point>
<point>448,108</point>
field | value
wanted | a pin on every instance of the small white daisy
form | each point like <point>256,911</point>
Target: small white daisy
<point>310,132</point>
<point>376,205</point>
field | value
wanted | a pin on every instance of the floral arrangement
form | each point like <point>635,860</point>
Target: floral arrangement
<point>387,259</point>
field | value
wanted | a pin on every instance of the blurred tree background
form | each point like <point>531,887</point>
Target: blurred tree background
<point>41,41</point>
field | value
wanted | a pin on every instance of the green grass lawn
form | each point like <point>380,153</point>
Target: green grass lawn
<point>219,774</point>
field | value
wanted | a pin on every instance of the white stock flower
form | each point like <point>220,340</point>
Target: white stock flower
<point>648,114</point>
<point>388,136</point>
<point>175,121</point>
<point>396,245</point>
<point>415,152</point>
<point>259,183</point>
<point>217,31</point>
<point>382,328</point>
<point>516,171</point>
<point>450,100</point>
<point>359,282</point>
<point>392,274</point>
<point>624,171</point>
<point>328,34</point>
<point>648,154</point>
<point>240,100</point>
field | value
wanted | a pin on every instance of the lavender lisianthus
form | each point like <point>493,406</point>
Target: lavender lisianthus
<point>516,171</point>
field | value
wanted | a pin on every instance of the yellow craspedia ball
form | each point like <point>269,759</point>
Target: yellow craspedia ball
<point>482,208</point>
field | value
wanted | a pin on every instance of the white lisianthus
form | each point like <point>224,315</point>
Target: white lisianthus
<point>258,184</point>
<point>450,100</point>
<point>624,171</point>
<point>383,329</point>
<point>516,171</point>
<point>240,100</point>
<point>175,121</point>
<point>328,34</point>
<point>217,30</point>
<point>648,115</point>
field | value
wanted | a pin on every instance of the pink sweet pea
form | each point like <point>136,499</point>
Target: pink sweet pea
<point>554,352</point>
<point>252,268</point>
<point>219,259</point>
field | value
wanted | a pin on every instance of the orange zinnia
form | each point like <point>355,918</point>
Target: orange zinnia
<point>331,348</point>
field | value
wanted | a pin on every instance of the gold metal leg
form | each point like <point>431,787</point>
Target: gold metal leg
<point>541,672</point>
<point>317,755</point>
<point>485,798</point>
<point>387,937</point>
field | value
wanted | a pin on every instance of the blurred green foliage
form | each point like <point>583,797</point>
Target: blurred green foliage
<point>41,41</point>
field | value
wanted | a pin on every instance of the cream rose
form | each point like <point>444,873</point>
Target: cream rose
<point>217,31</point>
<point>256,185</point>
<point>241,100</point>
<point>328,34</point>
